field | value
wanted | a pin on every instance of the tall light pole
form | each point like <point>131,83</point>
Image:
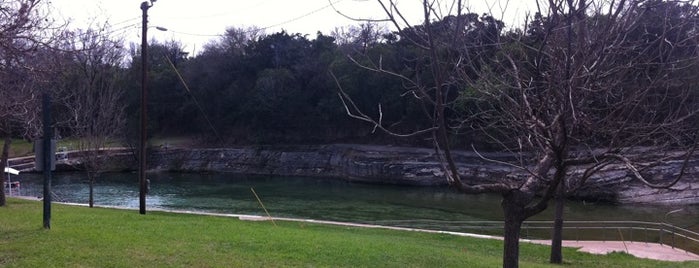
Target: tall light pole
<point>144,80</point>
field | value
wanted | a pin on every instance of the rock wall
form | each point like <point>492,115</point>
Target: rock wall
<point>410,166</point>
<point>361,163</point>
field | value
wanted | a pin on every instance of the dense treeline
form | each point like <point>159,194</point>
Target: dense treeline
<point>252,88</point>
<point>278,88</point>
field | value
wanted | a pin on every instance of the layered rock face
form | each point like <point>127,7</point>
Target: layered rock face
<point>412,166</point>
<point>420,167</point>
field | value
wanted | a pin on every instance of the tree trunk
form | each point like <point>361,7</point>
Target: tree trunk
<point>514,217</point>
<point>510,257</point>
<point>3,163</point>
<point>557,235</point>
<point>91,199</point>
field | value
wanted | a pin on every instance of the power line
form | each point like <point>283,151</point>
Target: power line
<point>331,3</point>
<point>196,102</point>
<point>124,21</point>
<point>133,25</point>
<point>104,31</point>
<point>304,15</point>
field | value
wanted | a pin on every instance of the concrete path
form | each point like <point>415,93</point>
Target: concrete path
<point>653,251</point>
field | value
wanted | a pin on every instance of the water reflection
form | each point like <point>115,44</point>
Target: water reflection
<point>325,199</point>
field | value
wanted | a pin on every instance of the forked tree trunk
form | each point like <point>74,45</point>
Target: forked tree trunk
<point>3,163</point>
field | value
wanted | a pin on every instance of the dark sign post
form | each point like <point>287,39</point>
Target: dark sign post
<point>48,159</point>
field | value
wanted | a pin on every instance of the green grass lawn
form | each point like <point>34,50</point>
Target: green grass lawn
<point>20,147</point>
<point>98,237</point>
<point>173,142</point>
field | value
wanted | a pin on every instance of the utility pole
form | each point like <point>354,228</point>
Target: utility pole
<point>144,80</point>
<point>47,157</point>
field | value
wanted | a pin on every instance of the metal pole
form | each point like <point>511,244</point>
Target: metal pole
<point>9,180</point>
<point>47,159</point>
<point>144,79</point>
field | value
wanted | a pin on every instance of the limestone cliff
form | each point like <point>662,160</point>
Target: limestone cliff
<point>406,166</point>
<point>418,166</point>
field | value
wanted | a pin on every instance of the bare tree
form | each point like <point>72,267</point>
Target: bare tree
<point>359,38</point>
<point>93,96</point>
<point>584,88</point>
<point>234,40</point>
<point>24,28</point>
<point>594,83</point>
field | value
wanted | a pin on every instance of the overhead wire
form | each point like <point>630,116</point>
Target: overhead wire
<point>127,27</point>
<point>102,33</point>
<point>196,102</point>
<point>304,15</point>
<point>331,4</point>
<point>124,21</point>
<point>110,28</point>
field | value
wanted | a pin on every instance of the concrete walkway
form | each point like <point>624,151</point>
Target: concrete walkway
<point>653,251</point>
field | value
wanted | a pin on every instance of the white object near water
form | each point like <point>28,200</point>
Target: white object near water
<point>12,171</point>
<point>9,184</point>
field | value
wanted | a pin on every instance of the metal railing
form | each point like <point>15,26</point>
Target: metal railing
<point>637,231</point>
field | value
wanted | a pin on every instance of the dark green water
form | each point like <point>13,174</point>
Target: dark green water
<point>327,199</point>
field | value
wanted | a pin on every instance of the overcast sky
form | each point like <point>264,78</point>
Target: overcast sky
<point>196,22</point>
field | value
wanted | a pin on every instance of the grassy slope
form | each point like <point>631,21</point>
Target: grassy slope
<point>83,237</point>
<point>20,147</point>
